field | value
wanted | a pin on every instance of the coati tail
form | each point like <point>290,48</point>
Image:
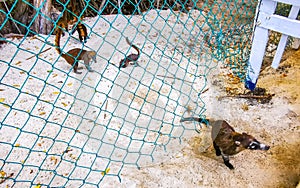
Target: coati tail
<point>57,39</point>
<point>134,46</point>
<point>201,120</point>
<point>82,32</point>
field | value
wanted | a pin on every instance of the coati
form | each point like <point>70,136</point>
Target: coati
<point>226,141</point>
<point>62,22</point>
<point>81,30</point>
<point>130,58</point>
<point>74,55</point>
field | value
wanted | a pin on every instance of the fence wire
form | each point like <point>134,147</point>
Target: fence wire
<point>62,129</point>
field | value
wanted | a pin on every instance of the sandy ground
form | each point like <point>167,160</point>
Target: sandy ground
<point>275,123</point>
<point>69,126</point>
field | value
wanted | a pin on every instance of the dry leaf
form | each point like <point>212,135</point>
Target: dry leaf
<point>2,89</point>
<point>5,105</point>
<point>230,75</point>
<point>55,92</point>
<point>2,99</point>
<point>70,84</point>
<point>67,150</point>
<point>54,75</point>
<point>105,172</point>
<point>54,159</point>
<point>16,85</point>
<point>245,107</point>
<point>37,186</point>
<point>42,113</point>
<point>17,145</point>
<point>18,63</point>
<point>284,75</point>
<point>2,173</point>
<point>64,104</point>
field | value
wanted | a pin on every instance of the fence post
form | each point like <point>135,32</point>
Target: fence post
<point>265,20</point>
<point>259,43</point>
<point>281,46</point>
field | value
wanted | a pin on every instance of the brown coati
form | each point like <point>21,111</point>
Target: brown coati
<point>81,30</point>
<point>226,141</point>
<point>76,54</point>
<point>62,23</point>
<point>130,58</point>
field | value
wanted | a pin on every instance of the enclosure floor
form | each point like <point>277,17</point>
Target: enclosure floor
<point>276,123</point>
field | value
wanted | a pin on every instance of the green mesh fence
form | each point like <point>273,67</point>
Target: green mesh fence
<point>61,129</point>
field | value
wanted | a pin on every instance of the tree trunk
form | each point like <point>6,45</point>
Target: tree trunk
<point>5,24</point>
<point>42,23</point>
<point>21,14</point>
<point>18,12</point>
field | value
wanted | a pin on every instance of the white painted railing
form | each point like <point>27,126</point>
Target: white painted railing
<point>266,20</point>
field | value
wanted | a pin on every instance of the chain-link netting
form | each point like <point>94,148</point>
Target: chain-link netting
<point>60,128</point>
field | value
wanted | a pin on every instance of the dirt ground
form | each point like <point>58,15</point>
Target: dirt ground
<point>275,123</point>
<point>191,163</point>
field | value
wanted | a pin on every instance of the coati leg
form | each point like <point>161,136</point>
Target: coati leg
<point>226,161</point>
<point>75,68</point>
<point>82,32</point>
<point>224,157</point>
<point>87,66</point>
<point>218,151</point>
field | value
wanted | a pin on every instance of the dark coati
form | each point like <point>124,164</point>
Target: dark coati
<point>130,58</point>
<point>82,32</point>
<point>74,55</point>
<point>62,23</point>
<point>80,28</point>
<point>226,141</point>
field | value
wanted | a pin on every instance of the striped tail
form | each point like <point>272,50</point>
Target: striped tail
<point>201,120</point>
<point>58,35</point>
<point>134,46</point>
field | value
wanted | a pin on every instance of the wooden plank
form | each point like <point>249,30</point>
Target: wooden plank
<point>290,2</point>
<point>259,43</point>
<point>267,6</point>
<point>281,46</point>
<point>257,53</point>
<point>280,24</point>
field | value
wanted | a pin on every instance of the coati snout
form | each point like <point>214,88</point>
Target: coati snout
<point>249,142</point>
<point>226,141</point>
